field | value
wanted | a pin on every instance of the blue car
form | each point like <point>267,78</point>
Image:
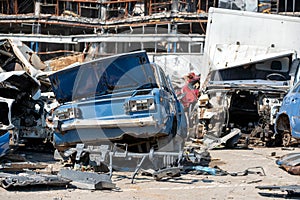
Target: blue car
<point>117,99</point>
<point>287,124</point>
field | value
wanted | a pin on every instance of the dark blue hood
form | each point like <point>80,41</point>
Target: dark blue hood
<point>118,73</point>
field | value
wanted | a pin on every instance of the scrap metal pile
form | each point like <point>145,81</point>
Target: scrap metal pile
<point>24,98</point>
<point>144,112</point>
<point>122,112</point>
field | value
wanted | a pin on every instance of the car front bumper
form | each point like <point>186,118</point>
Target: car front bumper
<point>112,123</point>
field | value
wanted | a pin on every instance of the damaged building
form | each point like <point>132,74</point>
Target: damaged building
<point>56,20</point>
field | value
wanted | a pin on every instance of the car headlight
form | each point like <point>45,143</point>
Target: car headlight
<point>140,105</point>
<point>67,113</point>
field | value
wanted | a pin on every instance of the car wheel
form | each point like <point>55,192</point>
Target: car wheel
<point>286,138</point>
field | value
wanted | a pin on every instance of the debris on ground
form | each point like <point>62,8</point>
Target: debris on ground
<point>30,178</point>
<point>292,190</point>
<point>20,166</point>
<point>87,180</point>
<point>203,170</point>
<point>216,171</point>
<point>290,163</point>
<point>212,142</point>
<point>31,173</point>
<point>158,175</point>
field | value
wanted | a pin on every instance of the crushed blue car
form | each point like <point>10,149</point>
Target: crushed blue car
<point>287,124</point>
<point>118,99</point>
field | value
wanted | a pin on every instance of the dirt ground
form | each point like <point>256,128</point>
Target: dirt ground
<point>187,186</point>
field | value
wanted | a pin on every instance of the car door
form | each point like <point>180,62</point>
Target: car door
<point>166,95</point>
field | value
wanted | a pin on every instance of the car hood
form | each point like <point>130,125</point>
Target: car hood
<point>118,73</point>
<point>230,55</point>
<point>19,80</point>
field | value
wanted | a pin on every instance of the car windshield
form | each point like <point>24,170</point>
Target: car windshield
<point>102,80</point>
<point>248,72</point>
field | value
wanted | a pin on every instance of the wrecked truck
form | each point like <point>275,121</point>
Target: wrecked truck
<point>250,71</point>
<point>243,97</point>
<point>118,99</point>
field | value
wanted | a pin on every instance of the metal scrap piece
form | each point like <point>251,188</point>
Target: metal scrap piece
<point>290,189</point>
<point>251,170</point>
<point>87,180</point>
<point>20,166</point>
<point>212,142</point>
<point>290,163</point>
<point>291,159</point>
<point>25,179</point>
<point>168,172</point>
